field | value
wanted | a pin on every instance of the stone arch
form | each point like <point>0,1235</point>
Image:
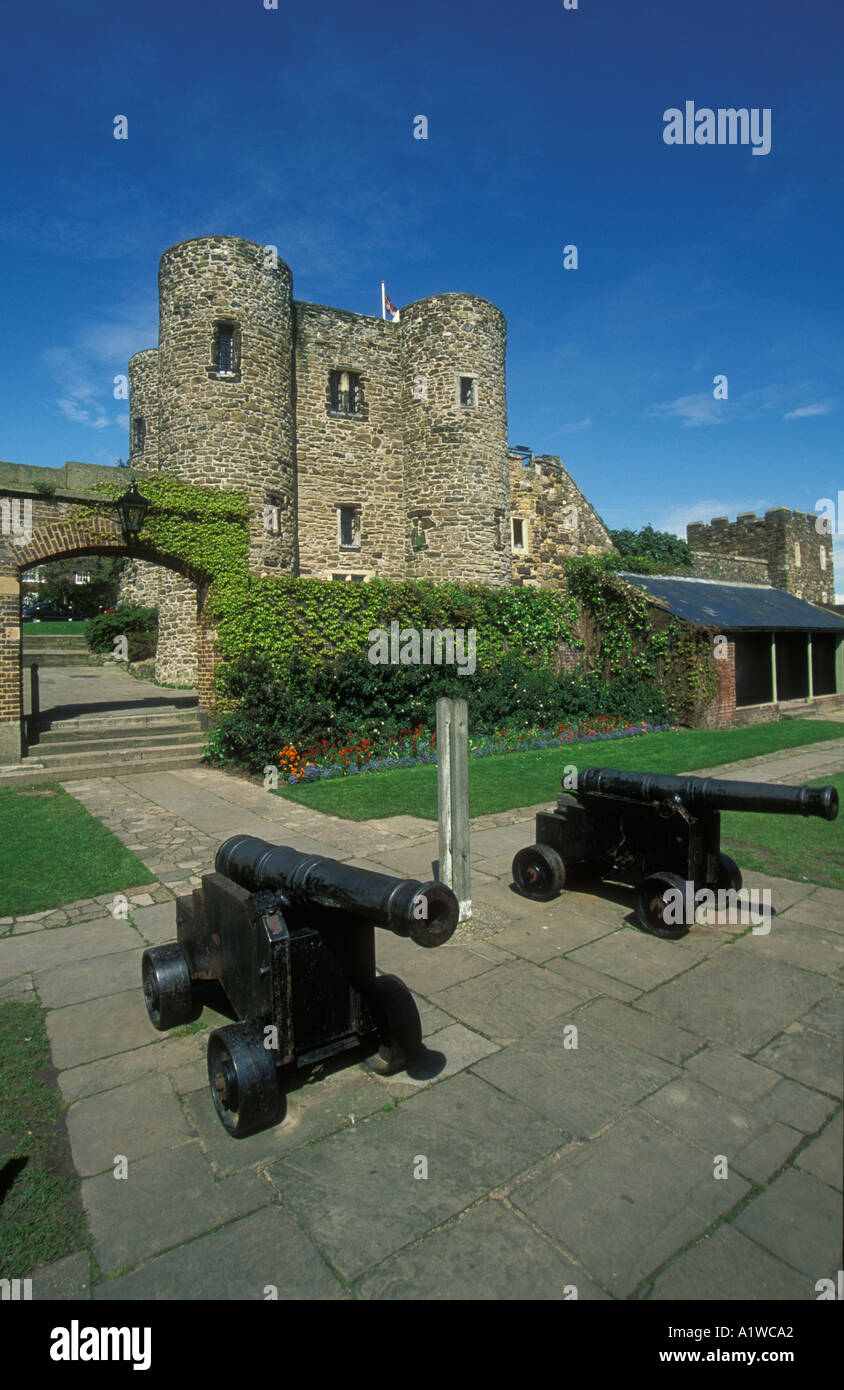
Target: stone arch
<point>52,535</point>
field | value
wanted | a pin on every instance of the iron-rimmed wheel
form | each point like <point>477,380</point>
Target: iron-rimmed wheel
<point>539,873</point>
<point>399,1026</point>
<point>729,873</point>
<point>243,1080</point>
<point>167,987</point>
<point>651,906</point>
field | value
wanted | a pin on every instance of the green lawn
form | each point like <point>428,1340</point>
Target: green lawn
<point>57,629</point>
<point>521,779</point>
<point>54,851</point>
<point>796,847</point>
<point>41,1216</point>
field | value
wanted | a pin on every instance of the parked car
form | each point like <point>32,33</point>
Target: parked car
<point>49,612</point>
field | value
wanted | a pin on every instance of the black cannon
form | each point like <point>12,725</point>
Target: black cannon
<point>656,833</point>
<point>284,943</point>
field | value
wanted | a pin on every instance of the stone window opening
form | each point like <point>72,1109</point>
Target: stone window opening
<point>797,560</point>
<point>467,392</point>
<point>348,528</point>
<point>83,577</point>
<point>823,558</point>
<point>345,393</point>
<point>519,526</point>
<point>139,430</point>
<point>225,353</point>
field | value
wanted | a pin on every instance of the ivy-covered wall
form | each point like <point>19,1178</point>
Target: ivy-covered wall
<point>598,621</point>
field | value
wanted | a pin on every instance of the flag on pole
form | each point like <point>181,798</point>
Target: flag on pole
<point>388,305</point>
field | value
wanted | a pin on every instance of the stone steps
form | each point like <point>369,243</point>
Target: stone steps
<point>111,747</point>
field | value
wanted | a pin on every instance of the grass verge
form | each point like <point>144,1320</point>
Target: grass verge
<point>41,1213</point>
<point>796,847</point>
<point>54,851</point>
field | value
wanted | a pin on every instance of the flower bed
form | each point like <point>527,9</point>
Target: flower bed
<point>415,747</point>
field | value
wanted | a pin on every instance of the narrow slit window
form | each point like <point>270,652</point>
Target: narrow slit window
<point>349,528</point>
<point>469,392</point>
<point>138,434</point>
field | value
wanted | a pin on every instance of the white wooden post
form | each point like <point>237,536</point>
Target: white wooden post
<point>453,800</point>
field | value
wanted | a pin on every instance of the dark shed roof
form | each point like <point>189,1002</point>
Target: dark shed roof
<point>737,607</point>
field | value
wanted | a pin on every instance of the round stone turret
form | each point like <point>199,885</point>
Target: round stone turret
<point>454,421</point>
<point>225,369</point>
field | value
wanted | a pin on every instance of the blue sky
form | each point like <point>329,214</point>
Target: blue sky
<point>545,128</point>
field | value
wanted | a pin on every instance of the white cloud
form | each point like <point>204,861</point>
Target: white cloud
<point>803,412</point>
<point>584,424</point>
<point>702,409</point>
<point>84,369</point>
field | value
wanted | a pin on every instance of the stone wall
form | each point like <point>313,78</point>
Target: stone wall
<point>557,522</point>
<point>349,460</point>
<point>735,569</point>
<point>175,597</point>
<point>144,405</point>
<point>798,559</point>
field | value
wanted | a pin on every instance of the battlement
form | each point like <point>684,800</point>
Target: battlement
<point>797,558</point>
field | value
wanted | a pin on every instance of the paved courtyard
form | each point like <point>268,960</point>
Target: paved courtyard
<point>688,1147</point>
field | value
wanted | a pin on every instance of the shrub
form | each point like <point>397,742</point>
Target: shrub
<point>138,624</point>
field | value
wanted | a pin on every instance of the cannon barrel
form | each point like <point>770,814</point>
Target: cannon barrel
<point>427,912</point>
<point>711,793</point>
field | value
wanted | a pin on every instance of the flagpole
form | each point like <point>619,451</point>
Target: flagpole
<point>383,301</point>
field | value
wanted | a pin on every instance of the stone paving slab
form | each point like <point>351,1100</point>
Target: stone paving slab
<point>630,1025</point>
<point>827,1016</point>
<point>812,1058</point>
<point>591,983</point>
<point>719,1126</point>
<point>133,1120</point>
<point>489,1253</point>
<point>797,1219</point>
<point>737,998</point>
<point>508,1002</point>
<point>167,1198</point>
<point>472,1137</point>
<point>627,1201</point>
<point>89,979</point>
<point>824,1157</point>
<point>160,1052</point>
<point>766,1154</point>
<point>156,924</point>
<point>99,1028</point>
<point>815,912</point>
<point>544,936</point>
<point>581,1089</point>
<point>644,961</point>
<point>728,1074</point>
<point>67,1279</point>
<point>728,1266</point>
<point>797,1105</point>
<point>65,945</point>
<point>261,1256</point>
<point>809,948</point>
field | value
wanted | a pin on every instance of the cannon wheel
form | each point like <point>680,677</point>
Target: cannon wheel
<point>167,987</point>
<point>651,905</point>
<point>539,873</point>
<point>399,1025</point>
<point>243,1080</point>
<point>729,873</point>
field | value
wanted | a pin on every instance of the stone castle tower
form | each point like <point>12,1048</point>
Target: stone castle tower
<point>366,448</point>
<point>783,548</point>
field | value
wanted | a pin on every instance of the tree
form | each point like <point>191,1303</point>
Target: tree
<point>88,599</point>
<point>661,546</point>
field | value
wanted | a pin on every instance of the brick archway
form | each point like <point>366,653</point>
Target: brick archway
<point>51,531</point>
